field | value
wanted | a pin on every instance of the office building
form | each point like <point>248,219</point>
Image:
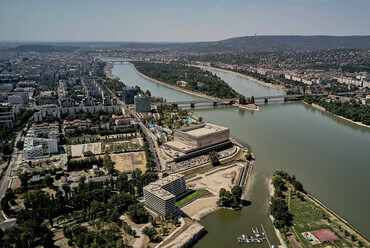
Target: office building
<point>129,94</point>
<point>160,196</point>
<point>142,103</point>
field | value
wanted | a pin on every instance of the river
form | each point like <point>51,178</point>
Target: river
<point>330,156</point>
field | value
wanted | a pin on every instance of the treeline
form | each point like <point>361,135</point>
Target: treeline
<point>76,165</point>
<point>114,85</point>
<point>351,110</point>
<point>279,208</point>
<point>199,80</point>
<point>105,201</point>
<point>230,199</point>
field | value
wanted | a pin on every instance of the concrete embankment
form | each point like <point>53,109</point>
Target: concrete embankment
<point>188,237</point>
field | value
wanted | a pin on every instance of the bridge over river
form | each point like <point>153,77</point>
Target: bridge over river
<point>230,101</point>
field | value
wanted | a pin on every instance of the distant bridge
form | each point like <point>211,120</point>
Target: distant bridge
<point>117,61</point>
<point>230,101</point>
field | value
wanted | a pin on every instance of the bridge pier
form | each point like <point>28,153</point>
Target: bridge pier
<point>266,100</point>
<point>192,105</point>
<point>214,103</point>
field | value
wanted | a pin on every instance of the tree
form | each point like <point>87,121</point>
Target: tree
<point>20,145</point>
<point>298,185</point>
<point>278,183</point>
<point>137,213</point>
<point>252,100</point>
<point>7,148</point>
<point>108,163</point>
<point>48,181</point>
<point>24,179</point>
<point>150,232</point>
<point>279,210</point>
<point>214,158</point>
<point>237,192</point>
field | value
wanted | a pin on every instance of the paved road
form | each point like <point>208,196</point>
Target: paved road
<point>153,146</point>
<point>4,185</point>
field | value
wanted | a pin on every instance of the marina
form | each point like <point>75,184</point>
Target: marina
<point>276,132</point>
<point>257,238</point>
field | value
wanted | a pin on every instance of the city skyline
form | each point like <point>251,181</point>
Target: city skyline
<point>169,21</point>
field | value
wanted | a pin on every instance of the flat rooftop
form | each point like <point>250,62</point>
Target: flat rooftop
<point>156,189</point>
<point>180,145</point>
<point>203,129</point>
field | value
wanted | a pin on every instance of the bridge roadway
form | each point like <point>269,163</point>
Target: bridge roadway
<point>215,102</point>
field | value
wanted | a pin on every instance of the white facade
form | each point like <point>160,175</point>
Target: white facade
<point>160,196</point>
<point>35,141</point>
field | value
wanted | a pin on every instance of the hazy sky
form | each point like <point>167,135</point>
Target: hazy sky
<point>172,20</point>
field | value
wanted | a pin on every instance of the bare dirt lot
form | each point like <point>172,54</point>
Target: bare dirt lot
<point>200,207</point>
<point>214,182</point>
<point>129,161</point>
<point>78,150</point>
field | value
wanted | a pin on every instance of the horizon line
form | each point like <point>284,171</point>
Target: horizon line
<point>107,41</point>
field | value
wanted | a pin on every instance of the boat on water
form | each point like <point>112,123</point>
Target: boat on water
<point>256,232</point>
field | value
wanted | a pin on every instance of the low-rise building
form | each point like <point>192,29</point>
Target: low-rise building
<point>182,83</point>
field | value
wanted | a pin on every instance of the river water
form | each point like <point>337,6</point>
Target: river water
<point>330,156</point>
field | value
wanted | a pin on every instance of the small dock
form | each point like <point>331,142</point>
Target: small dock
<point>267,238</point>
<point>257,238</point>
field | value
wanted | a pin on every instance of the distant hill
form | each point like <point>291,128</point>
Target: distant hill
<point>42,48</point>
<point>263,43</point>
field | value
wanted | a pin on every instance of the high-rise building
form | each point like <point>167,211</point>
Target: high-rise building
<point>160,196</point>
<point>129,94</point>
<point>142,103</point>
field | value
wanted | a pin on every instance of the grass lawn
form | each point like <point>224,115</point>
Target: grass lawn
<point>191,197</point>
<point>308,217</point>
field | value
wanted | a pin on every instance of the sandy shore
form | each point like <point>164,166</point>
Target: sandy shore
<point>341,117</point>
<point>253,107</point>
<point>174,87</point>
<point>278,86</point>
<point>278,234</point>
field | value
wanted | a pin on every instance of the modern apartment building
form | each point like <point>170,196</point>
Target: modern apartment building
<point>41,141</point>
<point>160,196</point>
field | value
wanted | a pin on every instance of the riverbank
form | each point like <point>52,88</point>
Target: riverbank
<point>108,71</point>
<point>243,76</point>
<point>309,214</point>
<point>190,92</point>
<point>278,233</point>
<point>341,117</point>
<point>279,122</point>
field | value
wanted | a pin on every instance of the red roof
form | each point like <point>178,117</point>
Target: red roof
<point>121,116</point>
<point>325,235</point>
<point>333,96</point>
